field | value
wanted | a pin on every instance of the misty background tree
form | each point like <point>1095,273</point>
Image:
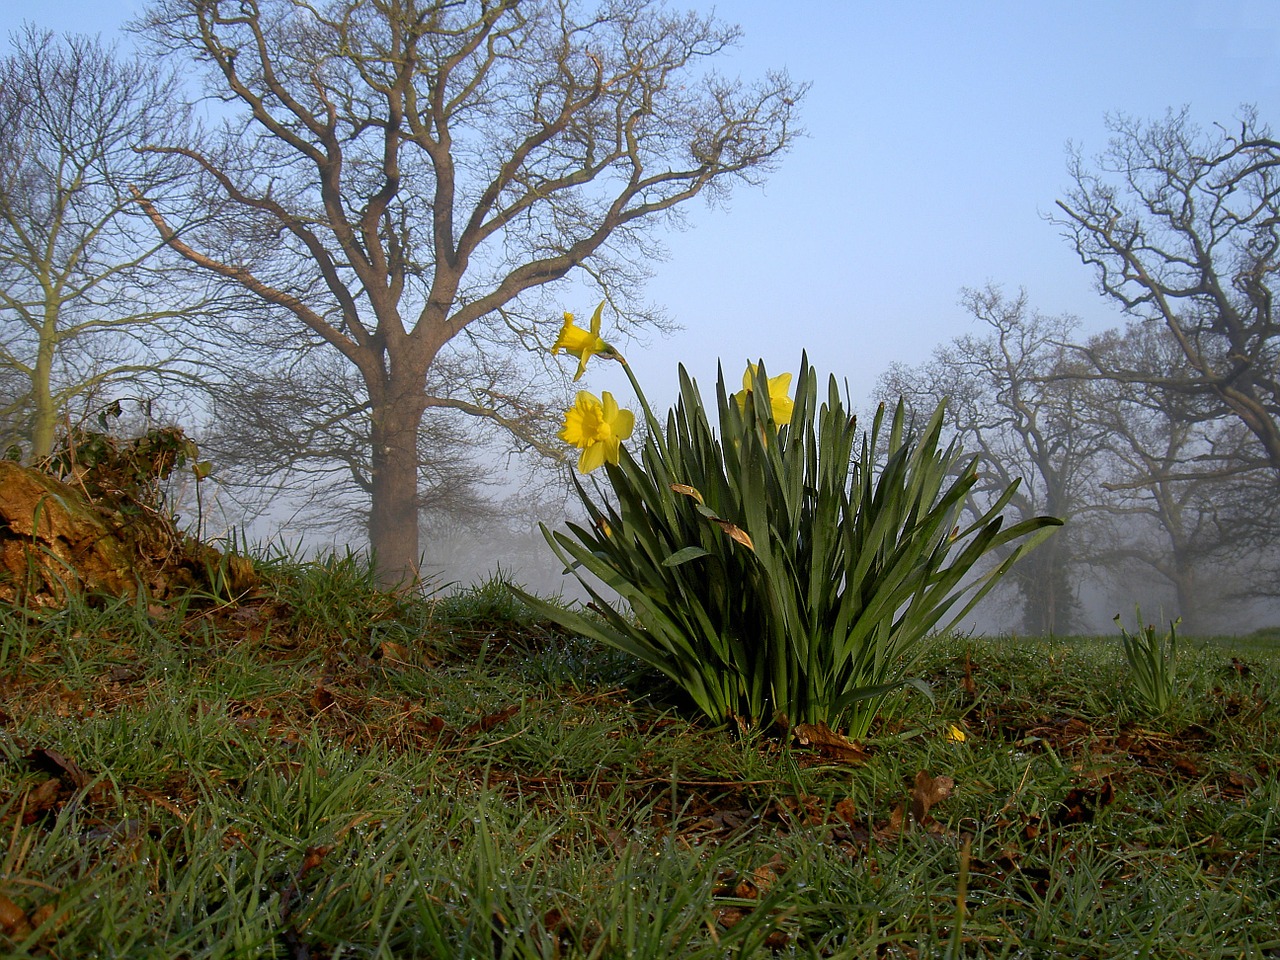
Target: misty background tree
<point>293,433</point>
<point>401,178</point>
<point>85,292</point>
<point>1181,225</point>
<point>1182,497</point>
<point>1008,402</point>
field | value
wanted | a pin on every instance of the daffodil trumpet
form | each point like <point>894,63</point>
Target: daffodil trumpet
<point>583,344</point>
<point>597,427</point>
<point>781,405</point>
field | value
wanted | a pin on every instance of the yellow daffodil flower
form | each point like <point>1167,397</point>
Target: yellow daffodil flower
<point>597,427</point>
<point>583,344</point>
<point>780,401</point>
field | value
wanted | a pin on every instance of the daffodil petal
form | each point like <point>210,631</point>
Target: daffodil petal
<point>623,424</point>
<point>592,458</point>
<point>596,426</point>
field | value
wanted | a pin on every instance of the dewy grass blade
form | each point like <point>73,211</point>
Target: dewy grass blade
<point>237,817</point>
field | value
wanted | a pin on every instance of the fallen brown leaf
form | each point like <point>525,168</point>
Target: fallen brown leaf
<point>313,858</point>
<point>321,698</point>
<point>394,652</point>
<point>432,726</point>
<point>847,811</point>
<point>53,762</point>
<point>766,875</point>
<point>487,723</point>
<point>42,798</point>
<point>1241,781</point>
<point>829,743</point>
<point>929,791</point>
<point>893,829</point>
<point>13,921</point>
<point>728,916</point>
<point>1187,767</point>
<point>41,915</point>
<point>1081,804</point>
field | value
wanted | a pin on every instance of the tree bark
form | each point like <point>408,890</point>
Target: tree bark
<point>44,410</point>
<point>393,512</point>
<point>1186,591</point>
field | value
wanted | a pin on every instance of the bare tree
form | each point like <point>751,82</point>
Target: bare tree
<point>1182,494</point>
<point>1182,229</point>
<point>1008,401</point>
<point>396,176</point>
<point>292,435</point>
<point>83,291</point>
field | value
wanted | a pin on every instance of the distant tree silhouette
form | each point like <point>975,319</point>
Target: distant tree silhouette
<point>1183,228</point>
<point>1182,493</point>
<point>1007,400</point>
<point>84,291</point>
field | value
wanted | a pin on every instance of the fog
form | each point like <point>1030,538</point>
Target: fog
<point>508,542</point>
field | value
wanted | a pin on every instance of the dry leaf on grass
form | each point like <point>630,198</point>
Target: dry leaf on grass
<point>830,744</point>
<point>929,791</point>
<point>394,652</point>
<point>1082,804</point>
<point>313,858</point>
<point>13,921</point>
<point>53,762</point>
<point>847,811</point>
<point>487,723</point>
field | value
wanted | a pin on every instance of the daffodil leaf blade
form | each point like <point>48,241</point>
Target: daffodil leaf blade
<point>684,555</point>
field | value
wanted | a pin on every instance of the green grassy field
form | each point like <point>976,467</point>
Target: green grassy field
<point>322,771</point>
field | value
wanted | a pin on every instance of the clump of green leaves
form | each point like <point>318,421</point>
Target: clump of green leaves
<point>125,471</point>
<point>778,567</point>
<point>1153,663</point>
<point>488,601</point>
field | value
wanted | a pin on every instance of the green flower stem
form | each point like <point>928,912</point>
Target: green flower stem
<point>651,421</point>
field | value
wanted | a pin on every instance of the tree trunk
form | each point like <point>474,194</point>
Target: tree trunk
<point>1048,594</point>
<point>1186,591</point>
<point>44,413</point>
<point>393,514</point>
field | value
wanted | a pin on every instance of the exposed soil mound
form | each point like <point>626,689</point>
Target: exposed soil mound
<point>52,539</point>
<point>97,526</point>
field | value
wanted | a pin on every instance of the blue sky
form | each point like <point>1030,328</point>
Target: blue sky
<point>936,143</point>
<point>937,135</point>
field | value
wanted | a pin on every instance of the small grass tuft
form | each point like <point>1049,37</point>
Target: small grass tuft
<point>490,602</point>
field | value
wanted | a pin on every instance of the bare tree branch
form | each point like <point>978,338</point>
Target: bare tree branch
<point>89,297</point>
<point>1182,230</point>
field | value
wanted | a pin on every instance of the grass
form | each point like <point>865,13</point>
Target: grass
<point>324,771</point>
